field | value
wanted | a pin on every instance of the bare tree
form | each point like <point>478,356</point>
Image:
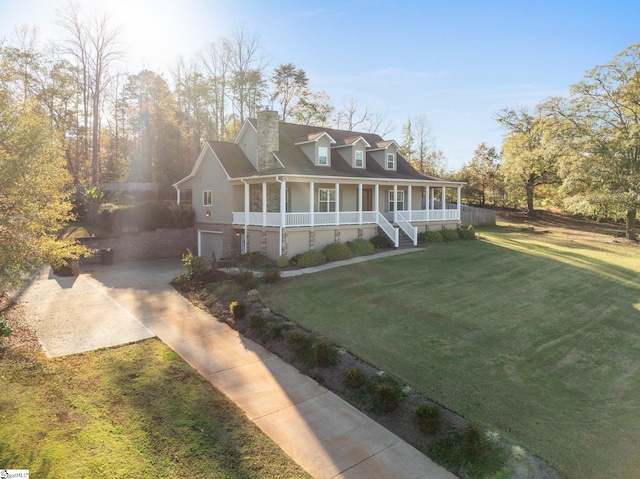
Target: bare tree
<point>352,114</point>
<point>93,45</point>
<point>247,66</point>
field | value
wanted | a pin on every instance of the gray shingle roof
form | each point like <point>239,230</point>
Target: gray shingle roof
<point>296,162</point>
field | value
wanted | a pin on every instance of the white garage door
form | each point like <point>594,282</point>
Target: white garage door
<point>210,243</point>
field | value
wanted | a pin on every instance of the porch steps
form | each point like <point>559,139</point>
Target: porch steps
<point>403,240</point>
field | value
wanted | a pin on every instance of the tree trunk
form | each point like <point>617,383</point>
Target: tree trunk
<point>531,183</point>
<point>630,224</point>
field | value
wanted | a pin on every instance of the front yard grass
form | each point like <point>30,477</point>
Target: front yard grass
<point>534,334</point>
<point>133,411</point>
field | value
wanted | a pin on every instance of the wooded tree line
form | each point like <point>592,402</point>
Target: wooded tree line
<point>144,127</point>
<point>579,153</point>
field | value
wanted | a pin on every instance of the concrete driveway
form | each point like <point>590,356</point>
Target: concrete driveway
<point>110,305</point>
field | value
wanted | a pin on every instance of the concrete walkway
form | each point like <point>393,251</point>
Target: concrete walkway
<point>109,305</point>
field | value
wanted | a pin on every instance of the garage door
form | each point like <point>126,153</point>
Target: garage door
<point>210,243</point>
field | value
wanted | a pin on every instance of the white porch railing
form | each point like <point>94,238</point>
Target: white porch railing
<point>389,229</point>
<point>342,218</point>
<point>410,230</point>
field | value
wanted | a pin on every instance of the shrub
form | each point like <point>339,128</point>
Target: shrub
<point>381,241</point>
<point>354,378</point>
<point>430,237</point>
<point>429,418</point>
<point>255,259</point>
<point>256,321</point>
<point>469,450</point>
<point>387,397</point>
<point>246,279</point>
<point>336,251</point>
<point>387,392</point>
<point>5,328</point>
<point>474,443</point>
<point>272,275</point>
<point>283,262</point>
<point>311,258</point>
<point>467,233</point>
<point>449,235</point>
<point>297,340</point>
<point>183,216</point>
<point>361,247</point>
<point>238,309</point>
<point>196,265</point>
<point>323,354</point>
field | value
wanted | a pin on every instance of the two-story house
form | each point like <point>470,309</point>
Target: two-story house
<point>286,188</point>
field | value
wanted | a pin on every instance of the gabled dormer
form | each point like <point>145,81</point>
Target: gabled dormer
<point>353,150</point>
<point>317,147</point>
<point>386,154</point>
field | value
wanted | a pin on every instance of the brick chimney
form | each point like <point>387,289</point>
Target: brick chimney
<point>268,139</point>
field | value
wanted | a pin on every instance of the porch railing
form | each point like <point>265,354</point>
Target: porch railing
<point>307,218</point>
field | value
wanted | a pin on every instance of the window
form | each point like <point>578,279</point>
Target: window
<point>323,155</point>
<point>326,200</point>
<point>400,200</point>
<point>391,161</point>
<point>206,198</point>
<point>359,163</point>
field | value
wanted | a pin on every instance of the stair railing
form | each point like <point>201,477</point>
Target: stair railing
<point>388,229</point>
<point>410,230</point>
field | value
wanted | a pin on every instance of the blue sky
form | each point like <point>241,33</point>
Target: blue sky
<point>456,62</point>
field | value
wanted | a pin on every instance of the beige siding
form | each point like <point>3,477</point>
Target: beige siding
<point>348,234</point>
<point>324,237</point>
<point>348,198</point>
<point>273,244</point>
<point>255,241</point>
<point>211,176</point>
<point>298,196</point>
<point>297,242</point>
<point>249,145</point>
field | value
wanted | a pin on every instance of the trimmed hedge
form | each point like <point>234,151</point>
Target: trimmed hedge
<point>361,247</point>
<point>311,258</point>
<point>337,251</point>
<point>450,235</point>
<point>430,237</point>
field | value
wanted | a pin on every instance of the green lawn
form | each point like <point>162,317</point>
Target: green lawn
<point>136,411</point>
<point>534,335</point>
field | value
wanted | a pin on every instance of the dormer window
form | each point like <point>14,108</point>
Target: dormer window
<point>391,161</point>
<point>323,156</point>
<point>359,159</point>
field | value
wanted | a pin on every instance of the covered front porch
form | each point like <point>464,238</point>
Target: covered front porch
<point>292,203</point>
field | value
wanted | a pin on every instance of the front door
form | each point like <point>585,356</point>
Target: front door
<point>367,200</point>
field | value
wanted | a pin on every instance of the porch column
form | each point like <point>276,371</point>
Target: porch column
<point>337,203</point>
<point>283,205</point>
<point>444,206</point>
<point>376,201</point>
<point>264,204</point>
<point>246,216</point>
<point>433,199</point>
<point>409,201</point>
<point>360,203</point>
<point>178,195</point>
<point>426,200</point>
<point>312,207</point>
<point>459,199</point>
<point>395,203</point>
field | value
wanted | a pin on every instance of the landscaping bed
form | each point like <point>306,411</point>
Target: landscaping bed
<point>235,300</point>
